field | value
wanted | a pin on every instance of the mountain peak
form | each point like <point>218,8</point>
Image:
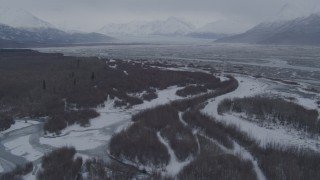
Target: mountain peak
<point>172,18</point>
<point>299,31</point>
<point>169,26</point>
<point>289,11</point>
<point>175,19</point>
<point>226,26</point>
<point>20,18</point>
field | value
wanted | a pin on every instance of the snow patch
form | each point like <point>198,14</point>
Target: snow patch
<point>29,176</point>
<point>164,96</point>
<point>19,124</point>
<point>174,166</point>
<point>32,175</point>
<point>111,120</point>
<point>82,140</point>
<point>181,119</point>
<point>305,102</point>
<point>22,147</point>
<point>239,150</point>
<point>114,66</point>
<point>250,87</point>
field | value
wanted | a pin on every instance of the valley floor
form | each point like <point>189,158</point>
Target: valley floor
<point>26,141</point>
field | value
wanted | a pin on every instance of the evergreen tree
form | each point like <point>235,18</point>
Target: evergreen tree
<point>92,76</point>
<point>44,85</point>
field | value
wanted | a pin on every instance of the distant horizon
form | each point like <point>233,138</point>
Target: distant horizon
<point>89,16</point>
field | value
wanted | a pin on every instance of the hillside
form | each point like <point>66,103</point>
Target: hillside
<point>299,31</point>
<point>17,37</point>
<point>170,26</point>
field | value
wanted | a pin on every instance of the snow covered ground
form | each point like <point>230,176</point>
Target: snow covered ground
<point>29,176</point>
<point>85,139</point>
<point>81,140</point>
<point>250,87</point>
<point>174,166</point>
<point>102,127</point>
<point>32,175</point>
<point>19,124</point>
<point>22,147</point>
<point>164,97</point>
<point>308,103</point>
<point>247,87</point>
<point>240,152</point>
<point>112,120</point>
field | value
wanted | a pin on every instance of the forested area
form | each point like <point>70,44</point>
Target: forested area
<point>67,89</point>
<point>273,110</point>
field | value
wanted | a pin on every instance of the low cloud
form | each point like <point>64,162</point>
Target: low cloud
<point>90,15</point>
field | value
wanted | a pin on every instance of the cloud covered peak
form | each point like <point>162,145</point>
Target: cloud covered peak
<point>20,18</point>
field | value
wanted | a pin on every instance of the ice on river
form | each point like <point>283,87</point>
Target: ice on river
<point>21,147</point>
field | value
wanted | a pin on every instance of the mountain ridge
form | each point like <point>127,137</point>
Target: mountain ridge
<point>23,37</point>
<point>299,31</point>
<point>19,28</point>
<point>169,27</point>
<point>20,18</point>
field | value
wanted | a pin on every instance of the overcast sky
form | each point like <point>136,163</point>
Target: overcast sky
<point>90,15</point>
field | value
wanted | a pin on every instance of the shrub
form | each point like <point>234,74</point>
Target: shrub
<point>272,110</point>
<point>61,120</point>
<point>140,145</point>
<point>224,167</point>
<point>213,163</point>
<point>210,127</point>
<point>60,164</point>
<point>279,162</point>
<point>5,122</point>
<point>191,90</point>
<point>225,87</point>
<point>181,140</point>
<point>97,169</point>
<point>139,142</point>
<point>85,82</point>
<point>87,97</point>
<point>150,95</point>
<point>18,172</point>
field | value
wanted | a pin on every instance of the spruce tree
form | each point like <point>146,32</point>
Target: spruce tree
<point>44,85</point>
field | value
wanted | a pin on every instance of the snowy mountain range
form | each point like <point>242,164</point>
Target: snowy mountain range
<point>299,31</point>
<point>49,36</point>
<point>170,26</point>
<point>225,26</point>
<point>20,18</point>
<point>220,29</point>
<point>292,25</point>
<point>288,12</point>
<point>19,28</point>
